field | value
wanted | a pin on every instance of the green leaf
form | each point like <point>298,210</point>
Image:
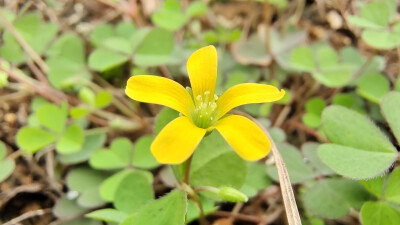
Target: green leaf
<point>65,208</point>
<point>10,16</point>
<point>65,74</point>
<point>169,16</point>
<point>87,182</point>
<point>360,150</point>
<point>101,33</point>
<point>118,44</point>
<point>310,152</point>
<point>298,170</point>
<point>375,185</point>
<point>92,142</point>
<point>337,76</point>
<point>327,57</point>
<point>333,198</point>
<point>33,139</point>
<point>312,120</point>
<point>161,212</point>
<point>155,49</point>
<point>250,52</point>
<point>215,164</point>
<point>379,213</point>
<point>125,30</point>
<point>78,112</point>
<point>108,215</point>
<point>102,59</point>
<point>373,87</point>
<point>3,150</point>
<point>165,116</point>
<point>390,106</point>
<point>314,108</point>
<point>6,169</point>
<point>71,140</point>
<point>393,187</point>
<point>142,156</point>
<point>193,211</point>
<point>52,117</point>
<point>196,8</point>
<point>69,47</point>
<point>303,59</point>
<point>118,156</point>
<point>133,192</point>
<point>377,12</point>
<point>34,31</point>
<point>381,39</point>
<point>103,99</point>
<point>110,185</point>
<point>256,179</point>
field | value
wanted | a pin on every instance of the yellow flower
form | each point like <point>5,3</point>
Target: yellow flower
<point>203,111</point>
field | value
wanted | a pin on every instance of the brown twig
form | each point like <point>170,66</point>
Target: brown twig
<point>238,216</point>
<point>28,215</point>
<point>37,72</point>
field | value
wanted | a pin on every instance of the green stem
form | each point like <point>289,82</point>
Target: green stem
<point>187,170</point>
<point>189,190</point>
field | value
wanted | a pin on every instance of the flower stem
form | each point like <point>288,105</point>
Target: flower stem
<point>192,193</point>
<point>187,170</point>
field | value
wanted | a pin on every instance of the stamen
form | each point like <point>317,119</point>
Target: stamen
<point>204,114</point>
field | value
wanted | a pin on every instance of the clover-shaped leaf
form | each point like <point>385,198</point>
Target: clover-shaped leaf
<point>66,60</point>
<point>253,50</point>
<point>118,156</point>
<point>256,179</point>
<point>6,165</point>
<point>34,31</point>
<point>390,106</point>
<point>108,215</point>
<point>171,17</point>
<point>129,201</point>
<point>333,198</point>
<point>356,142</point>
<point>329,67</point>
<point>373,87</point>
<point>160,212</point>
<point>379,213</point>
<point>87,183</point>
<point>314,108</point>
<point>216,164</point>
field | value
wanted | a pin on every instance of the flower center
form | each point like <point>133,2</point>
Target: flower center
<point>204,113</point>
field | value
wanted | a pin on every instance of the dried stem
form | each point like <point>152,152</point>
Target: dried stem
<point>28,215</point>
<point>289,200</point>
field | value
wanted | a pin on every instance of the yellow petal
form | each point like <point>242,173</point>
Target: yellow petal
<point>245,137</point>
<point>177,141</point>
<point>202,70</point>
<point>159,90</point>
<point>248,93</point>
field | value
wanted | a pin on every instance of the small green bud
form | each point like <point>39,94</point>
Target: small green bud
<point>232,195</point>
<point>87,95</point>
